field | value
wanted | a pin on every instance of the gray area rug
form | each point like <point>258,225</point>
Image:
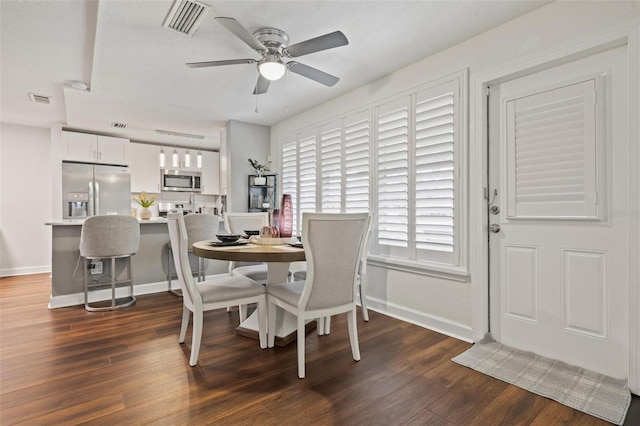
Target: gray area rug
<point>584,390</point>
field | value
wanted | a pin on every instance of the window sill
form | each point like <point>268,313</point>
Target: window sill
<point>438,270</point>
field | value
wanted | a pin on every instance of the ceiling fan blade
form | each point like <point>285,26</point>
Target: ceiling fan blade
<point>241,32</point>
<point>261,86</point>
<point>327,41</point>
<point>219,63</point>
<point>313,73</point>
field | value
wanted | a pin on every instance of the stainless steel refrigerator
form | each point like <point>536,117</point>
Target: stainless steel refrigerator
<point>92,189</point>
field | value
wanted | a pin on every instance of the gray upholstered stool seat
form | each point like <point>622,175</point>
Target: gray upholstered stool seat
<point>109,237</point>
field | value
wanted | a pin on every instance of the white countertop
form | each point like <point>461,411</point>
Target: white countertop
<point>74,222</point>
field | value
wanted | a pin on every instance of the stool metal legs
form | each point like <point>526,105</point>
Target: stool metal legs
<point>114,282</point>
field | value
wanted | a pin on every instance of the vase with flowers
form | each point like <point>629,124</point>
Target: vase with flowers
<point>259,170</point>
<point>145,201</point>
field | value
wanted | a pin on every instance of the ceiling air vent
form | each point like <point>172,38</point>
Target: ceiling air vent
<point>118,125</point>
<point>186,15</point>
<point>40,99</point>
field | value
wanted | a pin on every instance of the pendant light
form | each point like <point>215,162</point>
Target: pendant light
<point>161,158</point>
<point>187,159</point>
<point>174,159</point>
<point>199,160</point>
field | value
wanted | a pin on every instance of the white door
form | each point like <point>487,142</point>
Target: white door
<point>559,185</point>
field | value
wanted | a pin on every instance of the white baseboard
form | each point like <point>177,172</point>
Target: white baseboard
<point>10,272</point>
<point>440,325</point>
<point>74,299</point>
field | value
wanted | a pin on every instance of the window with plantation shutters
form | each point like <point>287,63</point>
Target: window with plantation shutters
<point>393,174</point>
<point>434,169</point>
<point>331,168</point>
<point>307,175</point>
<point>398,160</point>
<point>356,163</point>
<point>290,176</point>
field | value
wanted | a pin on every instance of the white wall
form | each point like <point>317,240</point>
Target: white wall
<point>243,141</point>
<point>25,199</point>
<point>437,302</point>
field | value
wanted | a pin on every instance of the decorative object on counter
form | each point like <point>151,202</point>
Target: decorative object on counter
<point>145,201</point>
<point>259,169</point>
<point>286,216</point>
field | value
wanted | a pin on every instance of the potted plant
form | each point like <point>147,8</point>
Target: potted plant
<point>259,170</point>
<point>145,201</point>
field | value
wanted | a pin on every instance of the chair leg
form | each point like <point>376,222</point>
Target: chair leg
<point>196,337</point>
<point>262,321</point>
<point>113,282</point>
<point>363,297</point>
<point>186,313</point>
<point>85,279</point>
<point>243,312</point>
<point>320,326</point>
<point>352,325</point>
<point>169,260</point>
<point>327,325</point>
<point>300,346</point>
<point>271,319</point>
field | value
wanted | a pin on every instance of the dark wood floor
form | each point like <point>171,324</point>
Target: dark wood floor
<point>126,367</point>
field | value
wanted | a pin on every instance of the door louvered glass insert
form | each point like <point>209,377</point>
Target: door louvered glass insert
<point>551,149</point>
<point>393,175</point>
<point>290,177</point>
<point>356,164</point>
<point>307,174</point>
<point>331,168</point>
<point>434,169</point>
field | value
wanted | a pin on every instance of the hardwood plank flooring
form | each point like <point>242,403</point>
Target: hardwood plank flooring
<point>71,366</point>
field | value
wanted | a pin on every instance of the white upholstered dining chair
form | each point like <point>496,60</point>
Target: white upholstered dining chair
<point>237,223</point>
<point>333,244</point>
<point>199,227</point>
<point>216,293</point>
<point>324,327</point>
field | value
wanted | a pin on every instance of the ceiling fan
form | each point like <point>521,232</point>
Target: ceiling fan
<point>272,44</point>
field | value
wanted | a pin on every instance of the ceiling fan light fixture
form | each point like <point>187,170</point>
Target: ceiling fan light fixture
<point>271,68</point>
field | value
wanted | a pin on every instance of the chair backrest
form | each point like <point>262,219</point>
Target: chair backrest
<point>237,223</point>
<point>365,249</point>
<point>333,245</point>
<point>201,227</point>
<point>109,235</point>
<point>179,244</point>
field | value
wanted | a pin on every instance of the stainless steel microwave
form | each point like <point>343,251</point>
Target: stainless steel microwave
<point>181,180</point>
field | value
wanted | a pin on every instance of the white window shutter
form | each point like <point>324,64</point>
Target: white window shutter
<point>307,173</point>
<point>434,169</point>
<point>356,163</point>
<point>392,127</point>
<point>551,150</point>
<point>331,167</point>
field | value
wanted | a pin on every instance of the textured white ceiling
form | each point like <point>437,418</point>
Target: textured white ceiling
<point>136,73</point>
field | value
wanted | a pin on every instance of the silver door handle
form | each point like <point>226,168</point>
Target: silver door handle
<point>494,227</point>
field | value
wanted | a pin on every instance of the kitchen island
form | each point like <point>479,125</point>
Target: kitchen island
<point>149,264</point>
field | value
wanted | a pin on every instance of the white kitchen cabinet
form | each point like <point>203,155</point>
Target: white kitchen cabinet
<point>144,167</point>
<point>210,173</point>
<point>90,148</point>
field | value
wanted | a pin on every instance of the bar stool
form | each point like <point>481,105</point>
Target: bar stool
<point>109,237</point>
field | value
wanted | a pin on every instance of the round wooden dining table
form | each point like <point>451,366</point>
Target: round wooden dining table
<point>278,259</point>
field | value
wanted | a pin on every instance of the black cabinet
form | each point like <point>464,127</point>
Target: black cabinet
<point>262,195</point>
